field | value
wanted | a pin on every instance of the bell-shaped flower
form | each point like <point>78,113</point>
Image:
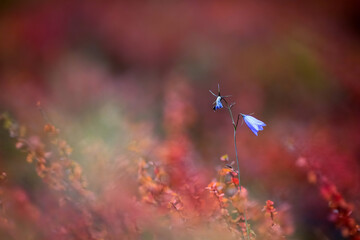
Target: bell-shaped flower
<point>218,103</point>
<point>254,124</point>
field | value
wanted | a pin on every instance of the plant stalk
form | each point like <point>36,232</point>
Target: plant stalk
<point>238,167</point>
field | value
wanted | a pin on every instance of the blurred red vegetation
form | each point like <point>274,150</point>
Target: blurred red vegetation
<point>167,193</point>
<point>340,209</point>
<point>133,151</point>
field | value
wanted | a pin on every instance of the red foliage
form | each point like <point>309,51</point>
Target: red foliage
<point>127,82</point>
<point>341,210</point>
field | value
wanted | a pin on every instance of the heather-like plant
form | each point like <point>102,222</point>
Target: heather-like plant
<point>165,204</point>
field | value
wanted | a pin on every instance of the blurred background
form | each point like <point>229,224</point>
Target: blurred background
<point>124,80</point>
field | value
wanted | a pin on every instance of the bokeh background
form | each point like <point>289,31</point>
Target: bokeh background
<point>124,79</point>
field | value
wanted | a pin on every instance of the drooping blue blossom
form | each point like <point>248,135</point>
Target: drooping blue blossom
<point>254,124</point>
<point>218,103</point>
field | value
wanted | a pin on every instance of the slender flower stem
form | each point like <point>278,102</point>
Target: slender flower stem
<point>238,166</point>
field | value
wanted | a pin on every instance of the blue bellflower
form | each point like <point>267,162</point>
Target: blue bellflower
<point>254,124</point>
<point>218,103</point>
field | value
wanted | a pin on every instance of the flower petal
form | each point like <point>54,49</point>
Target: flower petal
<point>255,121</point>
<point>254,124</point>
<point>250,125</point>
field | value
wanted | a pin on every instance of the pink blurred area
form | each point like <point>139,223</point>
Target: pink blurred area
<point>120,75</point>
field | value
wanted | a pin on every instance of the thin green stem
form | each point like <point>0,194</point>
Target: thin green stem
<point>238,168</point>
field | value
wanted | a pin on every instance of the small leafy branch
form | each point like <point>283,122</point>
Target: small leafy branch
<point>341,209</point>
<point>53,164</point>
<point>232,205</point>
